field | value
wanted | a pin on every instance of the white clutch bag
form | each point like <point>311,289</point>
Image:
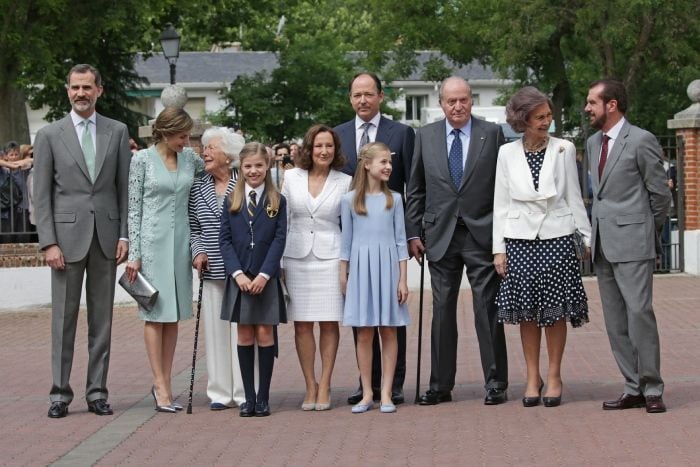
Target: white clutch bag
<point>141,290</point>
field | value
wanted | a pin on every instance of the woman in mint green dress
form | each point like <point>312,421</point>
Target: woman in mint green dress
<point>160,178</point>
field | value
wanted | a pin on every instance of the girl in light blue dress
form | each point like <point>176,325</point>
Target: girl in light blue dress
<point>373,259</point>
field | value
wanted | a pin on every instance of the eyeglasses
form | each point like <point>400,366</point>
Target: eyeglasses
<point>359,95</point>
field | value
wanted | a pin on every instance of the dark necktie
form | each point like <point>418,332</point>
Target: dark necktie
<point>603,156</point>
<point>252,203</point>
<point>456,165</point>
<point>364,139</point>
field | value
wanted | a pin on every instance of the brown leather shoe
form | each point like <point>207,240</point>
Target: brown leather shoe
<point>655,404</point>
<point>626,401</point>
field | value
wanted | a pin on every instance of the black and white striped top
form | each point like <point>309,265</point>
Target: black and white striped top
<point>205,222</point>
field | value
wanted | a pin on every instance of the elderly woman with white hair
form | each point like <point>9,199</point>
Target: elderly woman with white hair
<point>221,149</point>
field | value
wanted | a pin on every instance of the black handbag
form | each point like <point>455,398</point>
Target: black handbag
<point>579,244</point>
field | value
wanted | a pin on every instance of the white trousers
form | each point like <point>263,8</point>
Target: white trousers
<point>225,384</point>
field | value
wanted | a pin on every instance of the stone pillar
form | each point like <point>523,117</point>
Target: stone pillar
<point>687,126</point>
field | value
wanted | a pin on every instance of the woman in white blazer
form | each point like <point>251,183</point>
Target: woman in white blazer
<point>311,257</point>
<point>537,209</point>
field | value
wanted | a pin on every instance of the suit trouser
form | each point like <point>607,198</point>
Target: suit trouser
<point>446,278</point>
<point>66,288</point>
<point>626,295</point>
<point>399,372</point>
<point>224,384</point>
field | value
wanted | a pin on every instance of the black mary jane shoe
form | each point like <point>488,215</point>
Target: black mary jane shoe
<point>262,409</point>
<point>534,401</point>
<point>247,409</point>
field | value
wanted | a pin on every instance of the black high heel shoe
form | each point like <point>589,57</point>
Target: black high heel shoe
<point>161,408</point>
<point>553,401</point>
<point>534,401</point>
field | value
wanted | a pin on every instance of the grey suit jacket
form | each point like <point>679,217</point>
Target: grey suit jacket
<point>69,206</point>
<point>432,200</point>
<point>632,198</point>
<point>397,136</point>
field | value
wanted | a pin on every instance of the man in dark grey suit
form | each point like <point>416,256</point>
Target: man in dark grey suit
<point>630,201</point>
<point>450,198</point>
<point>368,126</point>
<point>81,172</point>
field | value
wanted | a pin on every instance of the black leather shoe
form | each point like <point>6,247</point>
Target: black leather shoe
<point>58,409</point>
<point>99,407</point>
<point>397,396</point>
<point>625,401</point>
<point>247,409</point>
<point>432,397</point>
<point>495,396</point>
<point>355,397</point>
<point>262,409</point>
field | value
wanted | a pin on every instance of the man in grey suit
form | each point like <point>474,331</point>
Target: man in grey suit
<point>630,201</point>
<point>450,198</point>
<point>368,126</point>
<point>81,172</point>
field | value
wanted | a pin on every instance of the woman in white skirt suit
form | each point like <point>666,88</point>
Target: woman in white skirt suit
<point>311,258</point>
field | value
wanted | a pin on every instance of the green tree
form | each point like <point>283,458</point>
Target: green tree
<point>558,46</point>
<point>41,39</point>
<point>309,86</point>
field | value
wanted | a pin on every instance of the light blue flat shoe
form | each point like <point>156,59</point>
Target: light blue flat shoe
<point>362,408</point>
<point>387,408</point>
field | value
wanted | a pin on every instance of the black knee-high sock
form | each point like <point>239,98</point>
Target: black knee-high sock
<point>266,360</point>
<point>246,360</point>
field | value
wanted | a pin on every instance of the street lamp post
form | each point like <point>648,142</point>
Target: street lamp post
<point>170,43</point>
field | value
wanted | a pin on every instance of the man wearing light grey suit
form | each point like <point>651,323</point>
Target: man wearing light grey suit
<point>81,172</point>
<point>450,197</point>
<point>630,201</point>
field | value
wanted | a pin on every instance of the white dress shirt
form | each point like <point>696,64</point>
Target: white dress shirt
<point>371,131</point>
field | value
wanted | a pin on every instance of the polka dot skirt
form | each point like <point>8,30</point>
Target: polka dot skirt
<point>543,283</point>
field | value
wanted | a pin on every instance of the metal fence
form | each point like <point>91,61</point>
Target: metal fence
<point>15,225</point>
<point>671,258</point>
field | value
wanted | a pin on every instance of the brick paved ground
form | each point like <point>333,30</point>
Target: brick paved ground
<point>464,432</point>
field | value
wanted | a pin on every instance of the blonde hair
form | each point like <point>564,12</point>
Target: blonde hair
<point>171,121</point>
<point>237,196</point>
<point>360,181</point>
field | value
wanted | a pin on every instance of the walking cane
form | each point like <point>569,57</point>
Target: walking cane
<point>420,323</point>
<point>196,338</point>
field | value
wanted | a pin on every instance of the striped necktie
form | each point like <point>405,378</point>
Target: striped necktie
<point>364,139</point>
<point>252,203</point>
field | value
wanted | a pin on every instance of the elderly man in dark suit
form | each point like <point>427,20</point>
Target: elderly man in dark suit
<point>630,201</point>
<point>81,175</point>
<point>450,197</point>
<point>368,126</point>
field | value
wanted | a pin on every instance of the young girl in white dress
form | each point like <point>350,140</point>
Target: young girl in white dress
<point>373,259</point>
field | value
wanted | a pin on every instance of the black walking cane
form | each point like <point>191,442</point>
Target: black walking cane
<point>196,338</point>
<point>420,323</point>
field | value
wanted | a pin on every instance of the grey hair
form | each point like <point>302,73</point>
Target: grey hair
<point>453,78</point>
<point>522,104</point>
<point>231,142</point>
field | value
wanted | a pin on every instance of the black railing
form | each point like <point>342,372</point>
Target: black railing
<point>668,261</point>
<point>15,225</point>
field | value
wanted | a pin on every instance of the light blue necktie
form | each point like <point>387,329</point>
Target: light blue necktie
<point>88,148</point>
<point>456,165</point>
